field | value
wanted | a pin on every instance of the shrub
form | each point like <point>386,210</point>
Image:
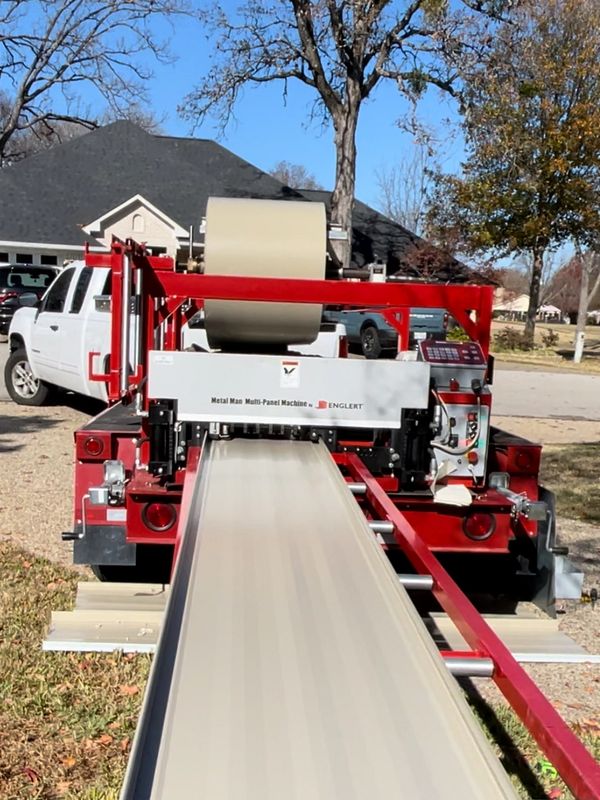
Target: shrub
<point>549,338</point>
<point>457,334</point>
<point>511,339</point>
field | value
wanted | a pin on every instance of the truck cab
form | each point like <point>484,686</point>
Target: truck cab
<point>49,342</point>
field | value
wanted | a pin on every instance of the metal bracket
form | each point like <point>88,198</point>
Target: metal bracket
<point>535,510</point>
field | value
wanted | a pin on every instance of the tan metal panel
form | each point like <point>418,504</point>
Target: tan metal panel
<point>96,595</point>
<point>104,630</point>
<point>303,670</point>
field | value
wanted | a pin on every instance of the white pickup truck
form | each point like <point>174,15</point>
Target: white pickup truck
<point>50,341</point>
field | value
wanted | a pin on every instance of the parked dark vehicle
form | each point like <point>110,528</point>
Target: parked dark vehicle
<point>17,280</point>
<point>375,337</point>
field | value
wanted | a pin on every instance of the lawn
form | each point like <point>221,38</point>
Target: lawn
<point>571,472</point>
<point>68,719</point>
<point>544,357</point>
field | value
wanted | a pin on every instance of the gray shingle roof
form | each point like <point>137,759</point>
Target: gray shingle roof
<point>48,196</point>
<point>54,192</point>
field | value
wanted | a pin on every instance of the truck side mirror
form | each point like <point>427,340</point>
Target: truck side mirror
<point>28,300</point>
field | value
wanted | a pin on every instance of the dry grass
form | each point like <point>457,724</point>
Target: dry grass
<point>66,719</point>
<point>548,358</point>
<point>566,333</point>
<point>571,472</point>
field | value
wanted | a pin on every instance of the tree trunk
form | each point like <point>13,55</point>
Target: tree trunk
<point>586,264</point>
<point>342,199</point>
<point>534,294</point>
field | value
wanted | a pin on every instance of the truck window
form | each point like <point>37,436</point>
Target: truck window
<point>80,290</point>
<point>107,290</point>
<point>55,299</point>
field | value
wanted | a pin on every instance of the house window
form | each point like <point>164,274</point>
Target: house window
<point>49,261</point>
<point>24,258</point>
<point>138,223</point>
<point>4,257</point>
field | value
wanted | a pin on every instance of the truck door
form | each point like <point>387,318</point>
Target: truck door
<point>73,344</point>
<point>46,331</point>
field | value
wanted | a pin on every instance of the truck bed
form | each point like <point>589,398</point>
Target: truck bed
<point>117,418</point>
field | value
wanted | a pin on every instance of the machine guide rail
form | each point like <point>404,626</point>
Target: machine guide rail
<point>575,764</point>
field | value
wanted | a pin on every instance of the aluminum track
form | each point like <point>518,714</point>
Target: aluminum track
<point>292,664</point>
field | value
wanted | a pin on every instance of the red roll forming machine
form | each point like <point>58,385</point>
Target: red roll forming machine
<point>453,500</point>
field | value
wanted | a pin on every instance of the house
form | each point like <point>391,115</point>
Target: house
<point>510,306</point>
<point>120,180</point>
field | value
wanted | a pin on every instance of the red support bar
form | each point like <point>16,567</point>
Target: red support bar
<point>191,472</point>
<point>401,325</point>
<point>575,764</point>
<point>458,300</point>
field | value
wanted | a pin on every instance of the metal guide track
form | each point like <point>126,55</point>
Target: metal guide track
<point>292,663</point>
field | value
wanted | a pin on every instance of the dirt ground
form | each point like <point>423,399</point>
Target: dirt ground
<point>550,431</point>
<point>35,506</point>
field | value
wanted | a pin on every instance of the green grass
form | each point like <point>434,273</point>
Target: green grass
<point>66,719</point>
<point>532,775</point>
<point>571,472</point>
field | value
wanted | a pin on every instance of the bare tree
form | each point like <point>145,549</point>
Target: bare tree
<point>49,49</point>
<point>403,190</point>
<point>294,175</point>
<point>589,263</point>
<point>342,51</point>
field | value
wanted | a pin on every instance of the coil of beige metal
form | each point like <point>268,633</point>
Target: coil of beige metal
<point>293,662</point>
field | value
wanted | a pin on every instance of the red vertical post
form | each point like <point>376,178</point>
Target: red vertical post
<point>116,266</point>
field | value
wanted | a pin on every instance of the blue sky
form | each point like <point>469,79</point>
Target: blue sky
<point>268,131</point>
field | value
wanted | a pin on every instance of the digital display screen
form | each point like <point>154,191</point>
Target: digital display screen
<point>467,353</point>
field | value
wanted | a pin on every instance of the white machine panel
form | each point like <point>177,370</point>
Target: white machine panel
<point>287,390</point>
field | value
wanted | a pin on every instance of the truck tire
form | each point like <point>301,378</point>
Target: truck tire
<point>21,384</point>
<point>369,342</point>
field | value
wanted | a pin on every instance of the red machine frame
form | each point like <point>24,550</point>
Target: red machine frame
<point>172,298</point>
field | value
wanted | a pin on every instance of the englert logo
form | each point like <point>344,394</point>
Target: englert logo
<point>322,404</point>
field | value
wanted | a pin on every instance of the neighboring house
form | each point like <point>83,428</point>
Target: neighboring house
<point>511,306</point>
<point>120,180</point>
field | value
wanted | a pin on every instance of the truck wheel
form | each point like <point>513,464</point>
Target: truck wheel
<point>21,384</point>
<point>369,342</point>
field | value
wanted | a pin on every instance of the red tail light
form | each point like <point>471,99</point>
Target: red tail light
<point>8,296</point>
<point>93,446</point>
<point>479,526</point>
<point>445,323</point>
<point>159,516</point>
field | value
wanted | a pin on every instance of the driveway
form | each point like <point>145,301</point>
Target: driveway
<point>558,395</point>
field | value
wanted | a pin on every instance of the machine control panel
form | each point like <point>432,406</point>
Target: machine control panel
<point>468,354</point>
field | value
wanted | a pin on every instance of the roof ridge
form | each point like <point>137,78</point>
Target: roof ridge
<point>183,138</point>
